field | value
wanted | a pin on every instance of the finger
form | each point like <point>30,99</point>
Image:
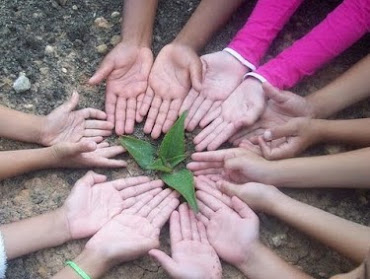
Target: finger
<point>94,139</point>
<point>205,184</point>
<point>200,113</point>
<point>110,106</point>
<point>72,103</point>
<point>153,214</point>
<point>164,260</point>
<point>139,189</point>
<point>133,200</point>
<point>93,113</point>
<point>110,152</point>
<point>228,188</point>
<point>98,124</point>
<point>212,156</point>
<point>196,74</point>
<point>145,198</point>
<point>211,115</point>
<point>194,166</point>
<point>103,144</point>
<point>274,93</point>
<point>123,183</point>
<point>146,209</point>
<point>242,208</point>
<point>275,153</point>
<point>161,118</point>
<point>193,109</point>
<point>194,228</point>
<point>214,177</point>
<point>210,171</point>
<point>210,201</point>
<point>208,130</point>
<point>223,136</point>
<point>165,213</point>
<point>130,116</point>
<point>185,222</point>
<point>172,115</point>
<point>201,218</point>
<point>213,137</point>
<point>109,163</point>
<point>139,101</point>
<point>91,178</point>
<point>282,131</point>
<point>147,101</point>
<point>175,228</point>
<point>152,115</point>
<point>105,68</point>
<point>120,115</point>
<point>188,101</point>
<point>96,132</point>
<point>202,233</point>
<point>205,210</point>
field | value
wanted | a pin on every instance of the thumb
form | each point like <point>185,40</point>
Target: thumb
<point>242,208</point>
<point>104,70</point>
<point>274,93</point>
<point>196,75</point>
<point>228,188</point>
<point>72,103</point>
<point>234,164</point>
<point>278,132</point>
<point>164,260</point>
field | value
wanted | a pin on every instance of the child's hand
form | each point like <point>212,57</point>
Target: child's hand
<point>299,134</point>
<point>232,234</point>
<point>135,231</point>
<point>192,255</point>
<point>93,201</point>
<point>65,124</point>
<point>87,154</point>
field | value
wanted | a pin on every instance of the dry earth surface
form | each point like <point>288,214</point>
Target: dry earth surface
<point>27,27</point>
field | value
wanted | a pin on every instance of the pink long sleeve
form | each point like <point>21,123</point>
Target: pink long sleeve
<point>340,29</point>
<point>265,22</point>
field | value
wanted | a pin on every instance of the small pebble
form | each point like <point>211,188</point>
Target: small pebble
<point>277,240</point>
<point>103,48</point>
<point>74,7</point>
<point>115,40</point>
<point>101,22</point>
<point>49,50</point>
<point>22,83</point>
<point>44,70</point>
<point>64,70</point>
<point>115,14</point>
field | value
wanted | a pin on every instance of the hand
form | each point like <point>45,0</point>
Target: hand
<point>192,255</point>
<point>258,196</point>
<point>175,70</point>
<point>87,154</point>
<point>211,164</point>
<point>281,107</point>
<point>233,234</point>
<point>126,69</point>
<point>299,134</point>
<point>65,124</point>
<point>136,230</point>
<point>222,74</point>
<point>242,108</point>
<point>93,201</point>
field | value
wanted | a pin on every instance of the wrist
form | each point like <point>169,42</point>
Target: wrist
<point>61,225</point>
<point>252,259</point>
<point>317,130</point>
<point>41,127</point>
<point>236,61</point>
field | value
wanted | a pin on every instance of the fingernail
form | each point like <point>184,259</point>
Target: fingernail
<point>267,135</point>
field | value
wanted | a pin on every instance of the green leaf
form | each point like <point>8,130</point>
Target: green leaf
<point>159,166</point>
<point>172,149</point>
<point>142,152</point>
<point>183,182</point>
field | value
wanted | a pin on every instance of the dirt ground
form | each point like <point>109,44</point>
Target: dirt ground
<point>27,27</point>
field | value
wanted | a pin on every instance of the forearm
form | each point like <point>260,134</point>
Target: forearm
<point>29,235</point>
<point>20,126</point>
<point>91,263</point>
<point>354,131</point>
<point>138,20</point>
<point>265,264</point>
<point>350,88</point>
<point>13,163</point>
<point>206,20</point>
<point>340,29</point>
<point>344,170</point>
<point>348,238</point>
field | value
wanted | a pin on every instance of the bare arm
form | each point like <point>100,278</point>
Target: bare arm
<point>351,87</point>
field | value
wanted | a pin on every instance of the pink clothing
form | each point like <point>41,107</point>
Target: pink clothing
<point>265,22</point>
<point>340,29</point>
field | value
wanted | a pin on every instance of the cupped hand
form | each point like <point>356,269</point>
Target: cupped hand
<point>242,108</point>
<point>65,124</point>
<point>135,231</point>
<point>191,254</point>
<point>176,68</point>
<point>281,107</point>
<point>222,73</point>
<point>87,154</point>
<point>126,69</point>
<point>233,233</point>
<point>93,201</point>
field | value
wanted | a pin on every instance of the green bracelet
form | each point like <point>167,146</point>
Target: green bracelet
<point>78,270</point>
